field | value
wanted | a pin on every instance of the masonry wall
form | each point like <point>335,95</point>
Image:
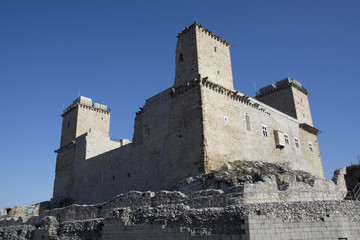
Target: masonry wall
<point>167,147</point>
<point>332,227</point>
<point>64,172</point>
<point>214,58</point>
<point>227,137</point>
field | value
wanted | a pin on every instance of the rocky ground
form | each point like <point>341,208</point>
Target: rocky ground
<point>238,173</point>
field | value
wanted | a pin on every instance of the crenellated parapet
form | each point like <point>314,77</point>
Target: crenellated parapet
<point>285,83</point>
<point>86,103</point>
<point>207,31</point>
<point>234,95</point>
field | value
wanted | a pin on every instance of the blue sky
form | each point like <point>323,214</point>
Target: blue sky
<point>120,54</point>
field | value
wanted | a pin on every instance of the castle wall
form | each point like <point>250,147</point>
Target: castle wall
<point>167,147</point>
<point>302,107</point>
<point>64,173</point>
<point>281,99</point>
<point>89,117</point>
<point>214,58</point>
<point>227,137</point>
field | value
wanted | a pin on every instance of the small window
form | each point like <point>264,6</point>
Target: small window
<point>68,124</point>
<point>247,119</point>
<point>265,131</point>
<point>297,144</point>
<point>226,119</point>
<point>311,147</point>
<point>215,49</point>
<point>286,138</point>
<point>181,57</point>
<point>218,72</point>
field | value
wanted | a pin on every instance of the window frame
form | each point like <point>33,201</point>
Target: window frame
<point>311,146</point>
<point>286,139</point>
<point>296,142</point>
<point>265,130</point>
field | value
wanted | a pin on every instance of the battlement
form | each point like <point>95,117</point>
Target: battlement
<point>287,82</point>
<point>207,31</point>
<point>87,103</point>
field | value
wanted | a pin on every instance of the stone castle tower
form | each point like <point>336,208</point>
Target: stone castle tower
<point>288,96</point>
<point>200,52</point>
<point>193,127</point>
<point>81,117</point>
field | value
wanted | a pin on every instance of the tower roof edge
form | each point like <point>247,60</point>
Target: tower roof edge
<point>195,24</point>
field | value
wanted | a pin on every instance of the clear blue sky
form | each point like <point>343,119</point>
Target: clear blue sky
<point>120,54</point>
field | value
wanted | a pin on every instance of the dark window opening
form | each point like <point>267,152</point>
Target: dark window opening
<point>181,57</point>
<point>128,174</point>
<point>215,49</point>
<point>68,124</point>
<point>8,211</point>
<point>113,178</point>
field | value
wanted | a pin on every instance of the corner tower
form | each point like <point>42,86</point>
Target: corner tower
<point>79,118</point>
<point>289,97</point>
<point>201,52</point>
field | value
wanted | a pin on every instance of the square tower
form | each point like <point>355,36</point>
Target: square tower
<point>201,52</point>
<point>78,119</point>
<point>289,97</point>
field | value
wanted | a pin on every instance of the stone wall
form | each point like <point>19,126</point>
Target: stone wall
<point>228,137</point>
<point>164,219</point>
<point>333,226</point>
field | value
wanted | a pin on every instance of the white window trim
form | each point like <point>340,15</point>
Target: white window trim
<point>311,147</point>
<point>265,131</point>
<point>296,142</point>
<point>286,138</point>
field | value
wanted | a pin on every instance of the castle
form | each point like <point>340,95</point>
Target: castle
<point>193,127</point>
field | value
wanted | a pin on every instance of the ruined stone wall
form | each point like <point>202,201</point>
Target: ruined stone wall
<point>333,226</point>
<point>228,135</point>
<point>162,218</point>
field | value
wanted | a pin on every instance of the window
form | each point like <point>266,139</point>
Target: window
<point>181,57</point>
<point>297,145</point>
<point>286,138</point>
<point>215,49</point>
<point>264,130</point>
<point>68,124</point>
<point>226,119</point>
<point>247,119</point>
<point>311,147</point>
